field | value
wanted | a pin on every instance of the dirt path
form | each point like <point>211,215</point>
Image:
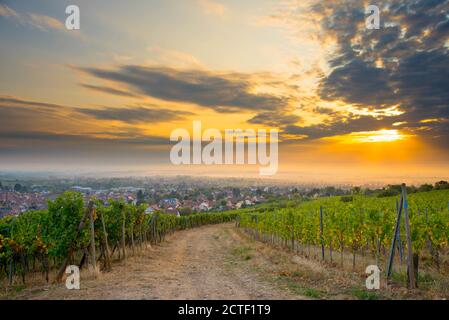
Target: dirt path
<point>210,262</point>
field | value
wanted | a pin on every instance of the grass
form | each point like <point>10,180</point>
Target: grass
<point>425,279</point>
<point>363,294</point>
<point>243,253</point>
<point>312,293</point>
<point>300,289</point>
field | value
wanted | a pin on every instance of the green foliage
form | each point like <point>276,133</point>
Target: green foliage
<point>363,294</point>
<point>62,221</point>
<point>347,198</point>
<point>51,234</point>
<point>366,222</point>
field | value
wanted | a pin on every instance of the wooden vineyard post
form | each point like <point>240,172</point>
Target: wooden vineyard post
<point>395,237</point>
<point>257,228</point>
<point>10,272</point>
<point>399,241</point>
<point>293,234</point>
<point>429,243</point>
<point>410,264</point>
<point>132,237</point>
<point>321,232</point>
<point>107,254</point>
<point>153,228</point>
<point>123,234</point>
<point>93,255</point>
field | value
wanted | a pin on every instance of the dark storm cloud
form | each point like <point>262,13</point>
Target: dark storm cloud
<point>405,63</point>
<point>135,114</point>
<point>357,83</point>
<point>222,92</point>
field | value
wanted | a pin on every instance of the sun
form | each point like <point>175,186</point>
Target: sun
<point>378,136</point>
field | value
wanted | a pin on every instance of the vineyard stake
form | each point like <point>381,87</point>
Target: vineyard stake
<point>107,255</point>
<point>429,243</point>
<point>123,233</point>
<point>92,240</point>
<point>321,233</point>
<point>395,236</point>
<point>410,264</point>
<point>400,247</point>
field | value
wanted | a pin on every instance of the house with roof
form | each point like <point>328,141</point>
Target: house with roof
<point>204,206</point>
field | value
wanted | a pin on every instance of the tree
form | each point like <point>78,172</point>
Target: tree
<point>442,185</point>
<point>17,187</point>
<point>356,190</point>
<point>425,188</point>
<point>185,211</point>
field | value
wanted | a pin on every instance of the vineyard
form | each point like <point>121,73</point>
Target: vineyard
<point>72,233</point>
<point>358,226</point>
<point>333,229</point>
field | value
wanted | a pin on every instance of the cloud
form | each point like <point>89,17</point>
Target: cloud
<point>40,128</point>
<point>404,64</point>
<point>13,101</point>
<point>212,7</point>
<point>359,84</point>
<point>109,90</point>
<point>45,22</point>
<point>134,115</point>
<point>6,11</point>
<point>174,58</point>
<point>83,138</point>
<point>20,113</point>
<point>275,119</point>
<point>17,112</point>
<point>34,20</point>
<point>223,92</point>
<point>338,126</point>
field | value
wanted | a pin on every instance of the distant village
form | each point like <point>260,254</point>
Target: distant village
<point>178,195</point>
<point>171,198</point>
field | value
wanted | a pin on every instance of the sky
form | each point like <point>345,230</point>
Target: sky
<point>351,104</point>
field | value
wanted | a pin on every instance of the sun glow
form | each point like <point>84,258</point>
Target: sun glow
<point>371,137</point>
<point>376,136</point>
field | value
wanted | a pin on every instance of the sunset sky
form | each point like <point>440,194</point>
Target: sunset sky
<point>351,104</point>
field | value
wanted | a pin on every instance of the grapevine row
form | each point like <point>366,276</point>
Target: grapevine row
<point>39,241</point>
<point>359,224</point>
